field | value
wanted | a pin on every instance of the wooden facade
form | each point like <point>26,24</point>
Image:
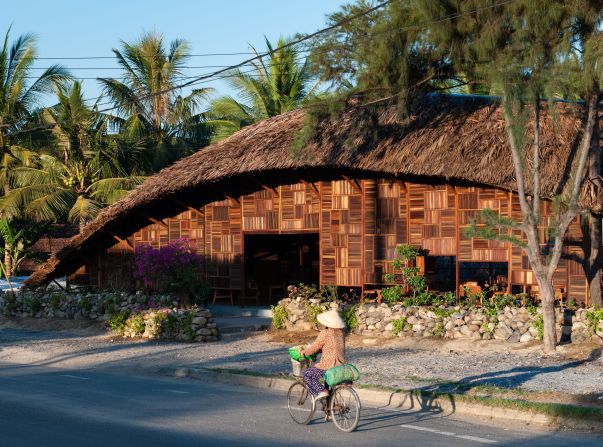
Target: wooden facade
<point>358,224</point>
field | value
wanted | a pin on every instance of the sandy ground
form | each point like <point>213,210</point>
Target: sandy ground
<point>574,375</point>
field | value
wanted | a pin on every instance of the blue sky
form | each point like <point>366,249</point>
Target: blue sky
<point>71,28</point>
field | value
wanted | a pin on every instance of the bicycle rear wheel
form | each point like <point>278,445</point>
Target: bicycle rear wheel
<point>345,408</point>
<point>300,403</point>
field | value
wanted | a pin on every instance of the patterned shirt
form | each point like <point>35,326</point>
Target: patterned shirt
<point>332,344</point>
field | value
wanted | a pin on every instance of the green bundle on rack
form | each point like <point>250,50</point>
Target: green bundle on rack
<point>344,373</point>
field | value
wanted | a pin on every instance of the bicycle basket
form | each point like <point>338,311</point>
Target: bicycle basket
<point>344,373</point>
<point>294,354</point>
<point>299,367</point>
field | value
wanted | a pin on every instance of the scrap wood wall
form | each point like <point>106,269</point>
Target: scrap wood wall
<point>360,222</point>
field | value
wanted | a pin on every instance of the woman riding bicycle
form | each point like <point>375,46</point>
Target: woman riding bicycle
<point>331,342</point>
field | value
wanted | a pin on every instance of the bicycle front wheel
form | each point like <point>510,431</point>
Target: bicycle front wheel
<point>345,408</point>
<point>300,403</point>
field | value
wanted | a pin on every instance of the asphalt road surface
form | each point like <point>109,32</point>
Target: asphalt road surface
<point>41,406</point>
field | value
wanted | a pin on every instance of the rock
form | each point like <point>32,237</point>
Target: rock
<point>449,325</point>
<point>465,330</point>
<point>502,332</point>
<point>514,338</point>
<point>596,339</point>
<point>487,336</point>
<point>389,327</point>
<point>418,328</point>
<point>476,336</point>
<point>199,321</point>
<point>474,327</point>
<point>526,337</point>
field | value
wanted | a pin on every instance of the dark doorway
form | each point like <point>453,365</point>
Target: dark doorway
<point>274,261</point>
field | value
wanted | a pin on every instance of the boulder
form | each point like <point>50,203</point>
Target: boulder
<point>526,337</point>
<point>515,337</point>
<point>502,332</point>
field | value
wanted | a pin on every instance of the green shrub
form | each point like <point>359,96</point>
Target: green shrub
<point>136,324</point>
<point>33,304</point>
<point>538,324</point>
<point>444,299</point>
<point>86,303</point>
<point>328,294</point>
<point>594,317</point>
<point>398,326</point>
<point>350,317</point>
<point>117,322</point>
<point>303,292</point>
<point>392,294</point>
<point>171,325</point>
<point>10,303</point>
<point>55,301</point>
<point>186,326</point>
<point>312,310</point>
<point>440,312</point>
<point>279,316</point>
<point>438,330</point>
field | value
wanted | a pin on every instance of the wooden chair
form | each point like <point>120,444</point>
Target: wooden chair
<point>224,294</point>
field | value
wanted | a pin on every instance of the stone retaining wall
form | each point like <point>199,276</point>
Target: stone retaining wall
<point>512,324</point>
<point>143,316</point>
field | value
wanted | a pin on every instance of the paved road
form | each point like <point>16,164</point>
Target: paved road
<point>41,406</point>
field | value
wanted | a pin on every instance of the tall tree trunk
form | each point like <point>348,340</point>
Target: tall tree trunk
<point>8,261</point>
<point>547,295</point>
<point>594,261</point>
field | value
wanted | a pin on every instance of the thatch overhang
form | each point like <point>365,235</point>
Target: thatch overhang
<point>449,141</point>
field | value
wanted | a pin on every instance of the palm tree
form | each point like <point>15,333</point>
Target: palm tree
<point>78,176</point>
<point>152,108</point>
<point>19,99</point>
<point>270,88</point>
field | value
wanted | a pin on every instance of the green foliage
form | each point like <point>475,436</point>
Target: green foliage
<point>594,317</point>
<point>392,294</point>
<point>86,303</point>
<point>10,303</point>
<point>55,301</point>
<point>538,324</point>
<point>170,326</point>
<point>440,312</point>
<point>277,84</point>
<point>19,238</point>
<point>136,324</point>
<point>312,311</point>
<point>398,326</point>
<point>33,304</point>
<point>445,299</point>
<point>117,322</point>
<point>279,316</point>
<point>350,317</point>
<point>405,252</point>
<point>328,293</point>
<point>186,326</point>
<point>486,326</point>
<point>438,330</point>
<point>303,291</point>
<point>159,319</point>
<point>389,278</point>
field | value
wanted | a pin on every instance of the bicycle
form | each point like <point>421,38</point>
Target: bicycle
<point>342,406</point>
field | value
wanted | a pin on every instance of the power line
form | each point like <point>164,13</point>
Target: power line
<point>114,57</point>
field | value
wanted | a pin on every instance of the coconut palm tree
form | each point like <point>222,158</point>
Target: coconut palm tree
<point>78,176</point>
<point>270,87</point>
<point>152,109</point>
<point>19,99</point>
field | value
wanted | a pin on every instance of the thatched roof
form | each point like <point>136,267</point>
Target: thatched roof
<point>449,141</point>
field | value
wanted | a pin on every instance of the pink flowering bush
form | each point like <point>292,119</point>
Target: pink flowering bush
<point>173,268</point>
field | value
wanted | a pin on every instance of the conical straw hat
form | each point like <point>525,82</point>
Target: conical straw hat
<point>331,319</point>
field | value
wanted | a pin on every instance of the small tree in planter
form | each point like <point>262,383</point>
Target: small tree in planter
<point>174,268</point>
<point>411,277</point>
